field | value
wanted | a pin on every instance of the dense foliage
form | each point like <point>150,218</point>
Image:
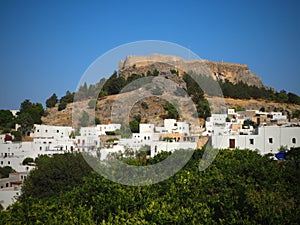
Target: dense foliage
<point>30,114</point>
<point>239,187</point>
<point>56,174</point>
<point>172,111</point>
<point>51,102</point>
<point>6,119</point>
<point>197,94</point>
<point>5,171</point>
<point>68,98</point>
<point>245,91</point>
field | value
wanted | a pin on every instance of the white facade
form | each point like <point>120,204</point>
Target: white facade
<point>268,139</point>
<point>216,124</point>
<point>88,142</point>
<point>108,127</point>
<point>10,188</point>
<point>90,131</point>
<point>55,132</point>
<point>2,138</point>
<point>144,137</point>
<point>14,112</point>
<point>171,126</point>
<point>13,154</point>
<point>8,196</point>
<point>165,146</point>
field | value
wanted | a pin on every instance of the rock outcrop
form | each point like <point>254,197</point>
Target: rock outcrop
<point>217,70</point>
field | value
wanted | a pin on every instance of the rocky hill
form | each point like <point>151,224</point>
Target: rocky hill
<point>217,70</point>
<point>151,109</point>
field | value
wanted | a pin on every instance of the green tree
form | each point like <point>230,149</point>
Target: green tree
<point>97,121</point>
<point>296,113</point>
<point>33,110</point>
<point>282,97</point>
<point>18,135</point>
<point>26,122</point>
<point>172,111</point>
<point>62,105</point>
<point>7,119</point>
<point>134,126</point>
<point>51,102</point>
<point>5,171</point>
<point>54,175</point>
<point>293,98</point>
<point>27,161</point>
<point>68,98</point>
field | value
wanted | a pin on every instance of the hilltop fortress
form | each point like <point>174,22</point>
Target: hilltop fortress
<point>217,70</point>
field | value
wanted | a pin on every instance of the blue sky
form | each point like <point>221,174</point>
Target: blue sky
<point>46,46</point>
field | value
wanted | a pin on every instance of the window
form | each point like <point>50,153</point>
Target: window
<point>294,140</point>
<point>251,141</point>
<point>271,140</point>
<point>8,162</point>
<point>1,162</point>
<point>57,131</point>
<point>46,131</point>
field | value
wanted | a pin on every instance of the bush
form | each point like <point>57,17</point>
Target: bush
<point>145,105</point>
<point>27,161</point>
<point>5,171</point>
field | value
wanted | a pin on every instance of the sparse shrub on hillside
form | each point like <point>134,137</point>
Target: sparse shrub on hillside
<point>68,98</point>
<point>51,102</point>
<point>172,111</point>
<point>296,114</point>
<point>144,105</point>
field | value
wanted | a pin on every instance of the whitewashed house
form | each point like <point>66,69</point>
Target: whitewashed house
<point>267,139</point>
<point>166,146</point>
<point>108,128</point>
<point>89,139</point>
<point>173,126</point>
<point>145,137</point>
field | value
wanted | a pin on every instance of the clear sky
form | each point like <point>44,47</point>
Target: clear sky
<point>45,46</point>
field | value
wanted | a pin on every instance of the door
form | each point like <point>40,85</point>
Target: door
<point>231,143</point>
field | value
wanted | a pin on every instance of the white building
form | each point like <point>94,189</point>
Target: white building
<point>216,124</point>
<point>268,139</point>
<point>10,187</point>
<point>90,131</point>
<point>108,127</point>
<point>145,137</point>
<point>14,112</point>
<point>54,132</point>
<point>165,146</point>
<point>171,126</point>
<point>2,138</point>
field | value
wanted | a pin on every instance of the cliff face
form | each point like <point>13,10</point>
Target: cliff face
<point>217,70</point>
